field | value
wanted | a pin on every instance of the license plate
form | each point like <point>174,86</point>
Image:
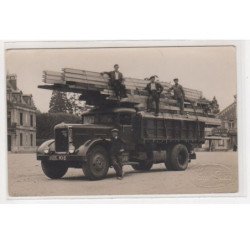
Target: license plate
<point>57,158</point>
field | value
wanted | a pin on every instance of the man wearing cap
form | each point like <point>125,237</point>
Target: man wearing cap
<point>179,94</point>
<point>154,91</point>
<point>115,152</point>
<point>116,82</point>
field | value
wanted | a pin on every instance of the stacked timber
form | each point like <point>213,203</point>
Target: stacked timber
<point>97,81</point>
<point>90,83</point>
<point>52,77</point>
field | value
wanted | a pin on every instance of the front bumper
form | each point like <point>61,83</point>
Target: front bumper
<point>59,157</point>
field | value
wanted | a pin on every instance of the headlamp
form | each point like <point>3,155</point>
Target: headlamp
<point>71,148</point>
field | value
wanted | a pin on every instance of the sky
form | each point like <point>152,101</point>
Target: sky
<point>209,69</point>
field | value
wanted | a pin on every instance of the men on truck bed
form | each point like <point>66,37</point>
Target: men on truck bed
<point>154,91</point>
<point>179,94</point>
<point>116,150</point>
<point>116,82</point>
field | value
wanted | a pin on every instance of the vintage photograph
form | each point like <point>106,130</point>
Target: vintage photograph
<point>118,121</point>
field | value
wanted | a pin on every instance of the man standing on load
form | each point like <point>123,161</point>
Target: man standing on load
<point>154,91</point>
<point>116,82</point>
<point>179,94</point>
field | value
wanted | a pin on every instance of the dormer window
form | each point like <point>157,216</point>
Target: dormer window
<point>16,98</point>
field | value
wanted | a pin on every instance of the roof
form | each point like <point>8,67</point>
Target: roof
<point>229,112</point>
<point>25,99</point>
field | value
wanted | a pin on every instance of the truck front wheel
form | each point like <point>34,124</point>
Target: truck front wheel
<point>97,164</point>
<point>178,158</point>
<point>54,170</point>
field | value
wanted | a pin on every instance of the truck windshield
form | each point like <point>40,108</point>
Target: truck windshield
<point>125,119</point>
<point>98,119</point>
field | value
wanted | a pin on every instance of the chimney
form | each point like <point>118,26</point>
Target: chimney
<point>12,79</point>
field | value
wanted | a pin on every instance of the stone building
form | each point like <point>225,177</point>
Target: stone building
<point>224,137</point>
<point>21,118</point>
<point>228,118</point>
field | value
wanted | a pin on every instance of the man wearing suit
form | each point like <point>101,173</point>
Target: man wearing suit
<point>179,94</point>
<point>116,82</point>
<point>154,91</point>
<point>116,149</point>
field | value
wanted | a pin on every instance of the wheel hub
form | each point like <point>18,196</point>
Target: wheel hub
<point>99,162</point>
<point>182,157</point>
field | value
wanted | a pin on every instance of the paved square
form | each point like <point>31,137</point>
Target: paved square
<point>212,172</point>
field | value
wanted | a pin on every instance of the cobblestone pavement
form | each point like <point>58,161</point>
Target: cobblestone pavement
<point>212,172</point>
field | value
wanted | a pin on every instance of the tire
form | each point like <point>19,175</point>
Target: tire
<point>178,158</point>
<point>97,165</point>
<point>143,166</point>
<point>54,170</point>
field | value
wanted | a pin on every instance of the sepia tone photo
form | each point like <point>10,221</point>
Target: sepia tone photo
<point>122,121</point>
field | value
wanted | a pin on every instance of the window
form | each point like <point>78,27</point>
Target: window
<point>16,98</point>
<point>88,119</point>
<point>31,120</point>
<point>104,118</point>
<point>98,119</point>
<point>221,143</point>
<point>9,97</point>
<point>31,140</point>
<point>21,118</point>
<point>21,139</point>
<point>9,119</point>
<point>125,119</point>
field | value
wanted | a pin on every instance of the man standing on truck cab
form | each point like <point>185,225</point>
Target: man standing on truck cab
<point>154,91</point>
<point>179,94</point>
<point>116,82</point>
<point>116,151</point>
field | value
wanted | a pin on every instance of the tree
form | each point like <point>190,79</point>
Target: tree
<point>46,122</point>
<point>59,103</point>
<point>78,106</point>
<point>215,106</point>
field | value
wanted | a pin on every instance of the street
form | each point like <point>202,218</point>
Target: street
<point>211,172</point>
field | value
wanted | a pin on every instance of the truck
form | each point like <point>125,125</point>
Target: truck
<point>168,138</point>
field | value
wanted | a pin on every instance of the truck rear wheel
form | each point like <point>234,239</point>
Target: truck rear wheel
<point>97,164</point>
<point>143,166</point>
<point>54,170</point>
<point>178,158</point>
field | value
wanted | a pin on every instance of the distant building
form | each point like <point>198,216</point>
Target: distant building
<point>21,118</point>
<point>224,137</point>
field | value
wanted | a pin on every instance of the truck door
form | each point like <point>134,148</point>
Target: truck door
<point>127,133</point>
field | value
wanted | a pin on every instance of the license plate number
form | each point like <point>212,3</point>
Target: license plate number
<point>57,158</point>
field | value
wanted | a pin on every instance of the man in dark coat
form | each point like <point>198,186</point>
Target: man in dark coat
<point>116,82</point>
<point>117,147</point>
<point>179,94</point>
<point>154,91</point>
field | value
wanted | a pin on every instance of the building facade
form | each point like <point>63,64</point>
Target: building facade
<point>228,118</point>
<point>224,137</point>
<point>21,118</point>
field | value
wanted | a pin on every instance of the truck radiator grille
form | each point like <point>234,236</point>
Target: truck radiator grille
<point>61,140</point>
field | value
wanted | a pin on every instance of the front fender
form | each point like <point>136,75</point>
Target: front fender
<point>84,149</point>
<point>47,144</point>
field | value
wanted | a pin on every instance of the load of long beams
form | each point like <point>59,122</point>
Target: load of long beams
<point>82,81</point>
